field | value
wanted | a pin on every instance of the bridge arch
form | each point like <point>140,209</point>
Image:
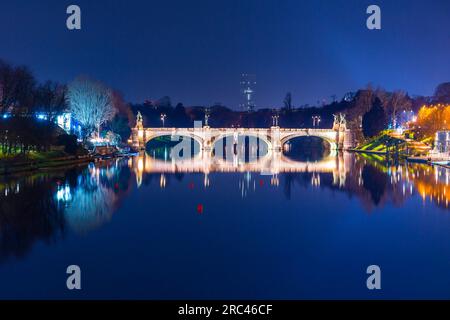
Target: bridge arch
<point>329,136</point>
<point>262,137</point>
<point>153,135</point>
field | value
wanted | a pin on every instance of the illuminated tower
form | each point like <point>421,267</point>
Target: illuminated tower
<point>248,82</point>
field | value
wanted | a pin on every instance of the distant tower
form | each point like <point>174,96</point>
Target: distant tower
<point>248,83</point>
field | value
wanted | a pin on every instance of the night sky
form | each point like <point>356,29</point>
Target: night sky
<point>195,50</point>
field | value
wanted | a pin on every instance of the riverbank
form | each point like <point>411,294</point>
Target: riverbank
<point>8,166</point>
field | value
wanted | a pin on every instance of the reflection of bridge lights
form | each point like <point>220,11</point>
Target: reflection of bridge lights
<point>275,181</point>
<point>63,193</point>
<point>162,181</point>
<point>315,180</point>
<point>206,181</point>
<point>141,165</point>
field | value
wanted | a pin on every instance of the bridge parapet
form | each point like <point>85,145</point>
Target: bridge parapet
<point>275,137</point>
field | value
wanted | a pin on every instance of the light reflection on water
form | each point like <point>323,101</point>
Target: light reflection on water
<point>50,206</point>
<point>87,198</point>
<point>373,179</point>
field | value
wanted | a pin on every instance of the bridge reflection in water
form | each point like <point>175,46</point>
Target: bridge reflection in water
<point>374,181</point>
<point>45,206</point>
<point>273,163</point>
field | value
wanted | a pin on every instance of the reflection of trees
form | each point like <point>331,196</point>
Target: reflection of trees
<point>305,180</point>
<point>96,196</point>
<point>41,206</point>
<point>28,213</point>
<point>375,182</point>
<point>434,187</point>
<point>90,208</point>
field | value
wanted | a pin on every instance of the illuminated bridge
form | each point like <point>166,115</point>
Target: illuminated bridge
<point>339,137</point>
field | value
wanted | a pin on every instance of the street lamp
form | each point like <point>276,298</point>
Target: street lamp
<point>163,119</point>
<point>316,121</point>
<point>275,120</point>
<point>207,115</point>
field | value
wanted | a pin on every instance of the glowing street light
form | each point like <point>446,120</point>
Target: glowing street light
<point>207,115</point>
<point>316,121</point>
<point>163,119</point>
<point>275,120</point>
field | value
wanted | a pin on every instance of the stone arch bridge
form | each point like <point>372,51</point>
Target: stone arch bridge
<point>275,137</point>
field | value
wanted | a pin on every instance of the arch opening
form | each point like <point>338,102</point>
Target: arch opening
<point>168,147</point>
<point>245,148</point>
<point>307,148</point>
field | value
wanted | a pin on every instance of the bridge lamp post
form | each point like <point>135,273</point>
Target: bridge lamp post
<point>316,121</point>
<point>275,120</point>
<point>163,119</point>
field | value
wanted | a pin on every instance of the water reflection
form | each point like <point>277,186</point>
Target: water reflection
<point>375,180</point>
<point>45,206</point>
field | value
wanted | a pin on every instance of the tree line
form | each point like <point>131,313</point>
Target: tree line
<point>368,110</point>
<point>101,111</point>
<point>91,103</point>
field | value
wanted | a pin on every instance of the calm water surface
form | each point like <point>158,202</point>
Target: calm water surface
<point>276,228</point>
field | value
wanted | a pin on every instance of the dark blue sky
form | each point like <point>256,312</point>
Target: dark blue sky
<point>195,50</point>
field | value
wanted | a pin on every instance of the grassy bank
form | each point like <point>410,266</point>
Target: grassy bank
<point>389,142</point>
<point>14,163</point>
<point>381,144</point>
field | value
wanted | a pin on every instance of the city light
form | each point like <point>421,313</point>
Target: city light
<point>316,121</point>
<point>163,119</point>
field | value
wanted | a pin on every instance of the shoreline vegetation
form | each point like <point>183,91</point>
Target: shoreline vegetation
<point>31,164</point>
<point>50,124</point>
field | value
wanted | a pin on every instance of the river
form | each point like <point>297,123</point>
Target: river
<point>152,228</point>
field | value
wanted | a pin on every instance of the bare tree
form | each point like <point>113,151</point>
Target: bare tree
<point>288,101</point>
<point>16,88</point>
<point>398,101</point>
<point>442,93</point>
<point>51,99</point>
<point>90,103</point>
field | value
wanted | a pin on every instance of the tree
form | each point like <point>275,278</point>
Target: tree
<point>374,120</point>
<point>433,118</point>
<point>164,102</point>
<point>124,118</point>
<point>90,103</point>
<point>50,98</point>
<point>288,101</point>
<point>359,105</point>
<point>16,88</point>
<point>442,93</point>
<point>398,101</point>
<point>120,126</point>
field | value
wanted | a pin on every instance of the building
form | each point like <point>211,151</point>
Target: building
<point>248,83</point>
<point>442,142</point>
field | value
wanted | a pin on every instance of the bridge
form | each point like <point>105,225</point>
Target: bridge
<point>339,137</point>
